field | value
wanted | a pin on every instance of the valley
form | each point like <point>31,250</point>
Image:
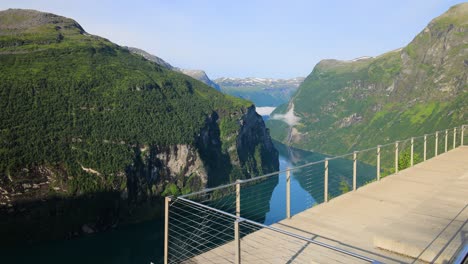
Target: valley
<point>94,135</point>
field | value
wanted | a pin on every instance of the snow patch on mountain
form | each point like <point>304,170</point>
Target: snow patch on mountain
<point>265,110</point>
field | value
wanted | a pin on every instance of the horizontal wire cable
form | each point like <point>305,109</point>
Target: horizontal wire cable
<point>287,233</point>
<point>202,242</point>
<point>226,218</point>
<point>185,224</point>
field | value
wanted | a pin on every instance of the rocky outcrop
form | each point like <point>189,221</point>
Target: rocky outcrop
<point>151,57</point>
<point>182,160</point>
<point>350,120</point>
<point>201,76</point>
<point>35,18</point>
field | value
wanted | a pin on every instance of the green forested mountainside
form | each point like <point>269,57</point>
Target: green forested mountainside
<point>92,135</point>
<point>85,109</point>
<point>421,88</point>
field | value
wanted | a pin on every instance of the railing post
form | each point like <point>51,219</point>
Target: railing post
<point>237,245</point>
<point>238,201</point>
<point>462,134</point>
<point>396,157</point>
<point>236,223</point>
<point>446,139</point>
<point>436,143</point>
<point>288,193</point>
<point>166,230</point>
<point>425,146</point>
<point>354,169</point>
<point>325,188</point>
<point>454,137</point>
<point>412,151</point>
<point>378,162</point>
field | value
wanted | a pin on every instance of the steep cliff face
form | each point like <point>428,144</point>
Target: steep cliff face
<point>216,158</point>
<point>254,146</point>
<point>34,199</point>
<point>345,105</point>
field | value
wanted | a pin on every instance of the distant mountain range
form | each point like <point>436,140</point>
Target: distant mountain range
<point>254,81</point>
<point>268,92</point>
<point>261,91</point>
<point>345,105</point>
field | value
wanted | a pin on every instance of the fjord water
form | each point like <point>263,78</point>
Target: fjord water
<point>143,243</point>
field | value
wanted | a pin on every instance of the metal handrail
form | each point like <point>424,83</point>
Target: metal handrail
<point>206,190</point>
<point>462,254</point>
<point>238,219</point>
<point>278,230</point>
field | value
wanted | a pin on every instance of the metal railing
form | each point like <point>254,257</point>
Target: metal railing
<point>200,225</point>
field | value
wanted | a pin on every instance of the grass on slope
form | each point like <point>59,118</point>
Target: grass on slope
<point>70,100</point>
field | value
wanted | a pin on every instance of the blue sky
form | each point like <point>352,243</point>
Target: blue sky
<point>242,38</point>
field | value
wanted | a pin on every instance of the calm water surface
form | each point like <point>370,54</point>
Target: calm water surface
<point>142,243</point>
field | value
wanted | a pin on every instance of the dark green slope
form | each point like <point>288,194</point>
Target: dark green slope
<point>82,116</point>
<point>421,88</point>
